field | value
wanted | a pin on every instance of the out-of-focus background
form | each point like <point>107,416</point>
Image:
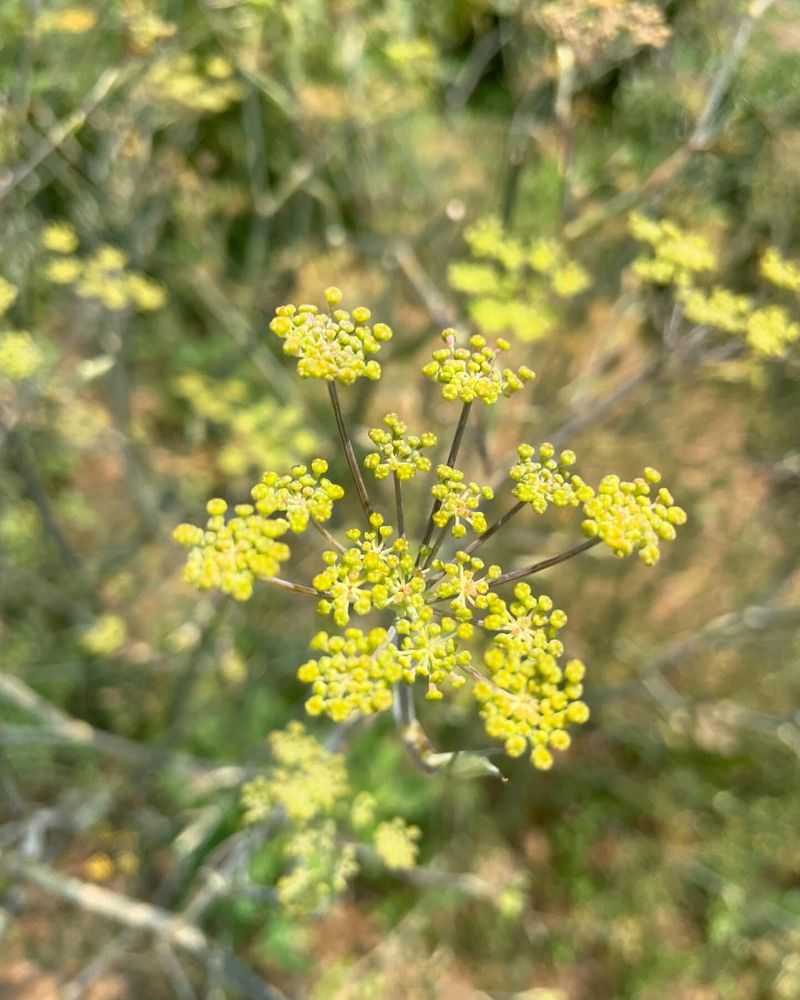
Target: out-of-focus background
<point>169,174</point>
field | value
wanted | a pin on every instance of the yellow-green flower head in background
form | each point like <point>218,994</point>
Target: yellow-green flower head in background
<point>8,295</point>
<point>719,308</point>
<point>781,272</point>
<point>677,254</point>
<point>334,346</point>
<point>20,356</point>
<point>627,519</point>
<point>398,452</point>
<point>306,780</point>
<point>770,331</point>
<point>60,237</point>
<point>396,843</point>
<point>473,373</point>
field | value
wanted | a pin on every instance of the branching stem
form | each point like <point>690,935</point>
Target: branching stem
<point>328,536</point>
<point>295,588</point>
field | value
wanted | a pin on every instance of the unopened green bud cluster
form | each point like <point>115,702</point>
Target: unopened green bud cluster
<point>400,613</point>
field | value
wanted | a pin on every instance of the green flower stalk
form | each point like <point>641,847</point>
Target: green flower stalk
<point>401,617</point>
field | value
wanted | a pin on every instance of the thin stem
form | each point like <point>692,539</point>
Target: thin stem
<point>328,536</point>
<point>295,588</point>
<point>476,543</point>
<point>451,461</point>
<point>347,445</point>
<point>398,502</point>
<point>537,567</point>
<point>494,528</point>
<point>436,546</point>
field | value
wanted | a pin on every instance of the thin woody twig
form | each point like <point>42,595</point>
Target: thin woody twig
<point>294,588</point>
<point>697,141</point>
<point>133,913</point>
<point>105,83</point>
<point>328,536</point>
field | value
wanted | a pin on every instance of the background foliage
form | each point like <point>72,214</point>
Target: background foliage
<point>216,159</point>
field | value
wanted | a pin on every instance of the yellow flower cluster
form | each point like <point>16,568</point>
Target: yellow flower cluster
<point>105,636</point>
<point>308,788</point>
<point>461,585</point>
<point>781,272</point>
<point>720,308</point>
<point>530,699</point>
<point>231,554</point>
<point>430,649</point>
<point>510,284</point>
<point>770,331</point>
<point>8,295</point>
<point>333,346</point>
<point>374,573</point>
<point>677,255</point>
<point>474,374</point>
<point>104,275</point>
<point>397,843</point>
<point>144,28</point>
<point>355,673</point>
<point>205,86</point>
<point>358,669</point>
<point>458,502</point>
<point>307,784</point>
<point>398,453</point>
<point>301,495</point>
<point>306,781</point>
<point>679,258</point>
<point>59,237</point>
<point>322,867</point>
<point>20,357</point>
<point>261,432</point>
<point>627,519</point>
<point>547,480</point>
